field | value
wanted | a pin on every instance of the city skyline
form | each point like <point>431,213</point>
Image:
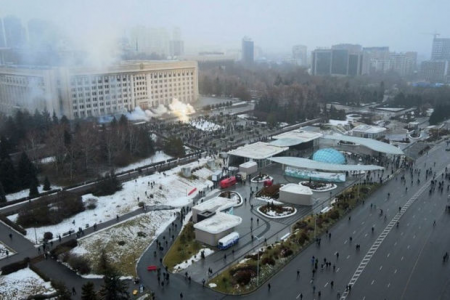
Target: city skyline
<point>225,23</point>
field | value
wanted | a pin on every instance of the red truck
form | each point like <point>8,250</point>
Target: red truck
<point>227,182</point>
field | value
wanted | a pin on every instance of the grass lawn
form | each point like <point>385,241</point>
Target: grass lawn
<point>123,243</point>
<point>183,248</point>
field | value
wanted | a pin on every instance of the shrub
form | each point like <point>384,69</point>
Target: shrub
<point>64,247</point>
<point>334,214</point>
<point>121,243</point>
<point>285,252</point>
<point>91,206</point>
<point>48,236</point>
<point>141,234</point>
<point>268,261</point>
<point>141,204</point>
<point>79,264</point>
<point>50,211</point>
<point>107,186</point>
<point>11,268</point>
<point>243,277</point>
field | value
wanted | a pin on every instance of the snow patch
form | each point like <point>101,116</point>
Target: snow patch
<point>22,284</point>
<point>194,258</point>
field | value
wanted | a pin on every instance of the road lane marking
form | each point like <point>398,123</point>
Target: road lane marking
<point>373,282</point>
<point>365,235</point>
<point>345,242</point>
<point>381,267</point>
<point>338,270</point>
<point>348,256</point>
<point>383,235</point>
<point>354,231</point>
<point>402,258</point>
<point>395,272</point>
<point>389,254</point>
<point>407,247</point>
<point>395,244</point>
<point>389,284</point>
<point>325,284</point>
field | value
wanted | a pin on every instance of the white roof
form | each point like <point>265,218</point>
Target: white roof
<point>301,136</point>
<point>369,129</point>
<point>369,143</point>
<point>258,150</point>
<point>214,204</point>
<point>304,163</point>
<point>296,188</point>
<point>218,223</point>
<point>248,164</point>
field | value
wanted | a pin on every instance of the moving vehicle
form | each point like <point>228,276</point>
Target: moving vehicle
<point>228,241</point>
<point>227,182</point>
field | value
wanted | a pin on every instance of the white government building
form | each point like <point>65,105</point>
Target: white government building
<point>79,92</point>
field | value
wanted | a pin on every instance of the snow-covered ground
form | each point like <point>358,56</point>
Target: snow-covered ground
<point>170,189</point>
<point>26,193</point>
<point>203,173</point>
<point>194,258</point>
<point>124,257</point>
<point>22,284</point>
<point>47,160</point>
<point>3,250</point>
<point>157,157</point>
<point>205,125</point>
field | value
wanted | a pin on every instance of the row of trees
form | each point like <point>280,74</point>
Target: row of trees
<point>80,147</point>
<point>113,288</point>
<point>16,177</point>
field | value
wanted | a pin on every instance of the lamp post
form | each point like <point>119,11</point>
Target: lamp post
<point>315,225</point>
<point>257,266</point>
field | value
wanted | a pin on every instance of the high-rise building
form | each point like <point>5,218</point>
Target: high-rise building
<point>321,62</point>
<point>150,40</point>
<point>376,60</point>
<point>176,45</point>
<point>2,34</point>
<point>337,61</point>
<point>299,55</point>
<point>14,32</point>
<point>435,71</point>
<point>87,91</point>
<point>440,49</point>
<point>403,64</point>
<point>247,50</point>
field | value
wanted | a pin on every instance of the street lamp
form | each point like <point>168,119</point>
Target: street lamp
<point>315,225</point>
<point>257,267</point>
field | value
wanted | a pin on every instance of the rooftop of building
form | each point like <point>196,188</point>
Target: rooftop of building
<point>296,189</point>
<point>304,163</point>
<point>300,135</point>
<point>369,143</point>
<point>258,150</point>
<point>368,129</point>
<point>214,204</point>
<point>218,223</point>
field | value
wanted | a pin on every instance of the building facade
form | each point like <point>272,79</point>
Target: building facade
<point>79,92</point>
<point>337,62</point>
<point>435,71</point>
<point>248,51</point>
<point>299,55</point>
<point>440,49</point>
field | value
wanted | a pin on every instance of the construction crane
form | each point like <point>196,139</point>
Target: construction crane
<point>434,34</point>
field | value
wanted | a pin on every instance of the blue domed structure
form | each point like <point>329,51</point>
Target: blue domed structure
<point>329,155</point>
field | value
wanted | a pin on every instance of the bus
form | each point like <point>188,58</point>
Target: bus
<point>228,241</point>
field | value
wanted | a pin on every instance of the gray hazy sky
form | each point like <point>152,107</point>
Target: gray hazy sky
<point>275,26</point>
